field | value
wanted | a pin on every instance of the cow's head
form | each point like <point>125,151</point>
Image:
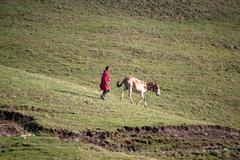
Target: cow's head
<point>156,89</point>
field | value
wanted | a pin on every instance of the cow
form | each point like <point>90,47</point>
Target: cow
<point>131,83</point>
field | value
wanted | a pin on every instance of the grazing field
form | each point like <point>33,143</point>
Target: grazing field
<point>52,54</point>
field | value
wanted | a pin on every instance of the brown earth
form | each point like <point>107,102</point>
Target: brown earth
<point>177,141</point>
<point>11,129</point>
<point>28,123</point>
<point>164,140</point>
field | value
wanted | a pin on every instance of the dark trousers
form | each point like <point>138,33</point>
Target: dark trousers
<point>105,92</point>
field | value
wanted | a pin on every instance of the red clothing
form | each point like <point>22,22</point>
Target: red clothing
<point>104,85</point>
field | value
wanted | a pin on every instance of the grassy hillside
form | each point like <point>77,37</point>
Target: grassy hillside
<point>52,54</point>
<point>51,148</point>
<point>180,10</point>
<point>63,105</point>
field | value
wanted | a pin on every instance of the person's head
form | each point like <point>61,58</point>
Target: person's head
<point>107,67</point>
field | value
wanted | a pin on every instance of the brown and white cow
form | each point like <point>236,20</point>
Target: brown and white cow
<point>131,83</point>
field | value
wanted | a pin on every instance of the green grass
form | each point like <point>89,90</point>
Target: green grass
<point>52,55</point>
<point>69,106</point>
<point>52,148</point>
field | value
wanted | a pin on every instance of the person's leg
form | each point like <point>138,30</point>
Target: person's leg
<point>104,94</point>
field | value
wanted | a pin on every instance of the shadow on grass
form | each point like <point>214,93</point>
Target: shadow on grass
<point>77,94</point>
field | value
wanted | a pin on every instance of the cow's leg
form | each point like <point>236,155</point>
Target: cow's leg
<point>145,103</point>
<point>124,89</point>
<point>142,95</point>
<point>130,94</point>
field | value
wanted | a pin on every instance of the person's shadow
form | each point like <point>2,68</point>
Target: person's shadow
<point>77,94</point>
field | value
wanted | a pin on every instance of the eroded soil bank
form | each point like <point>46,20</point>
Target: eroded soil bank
<point>168,140</point>
<point>11,119</point>
<point>11,129</point>
<point>182,141</point>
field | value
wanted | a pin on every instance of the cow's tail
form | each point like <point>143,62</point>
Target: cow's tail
<point>120,84</point>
